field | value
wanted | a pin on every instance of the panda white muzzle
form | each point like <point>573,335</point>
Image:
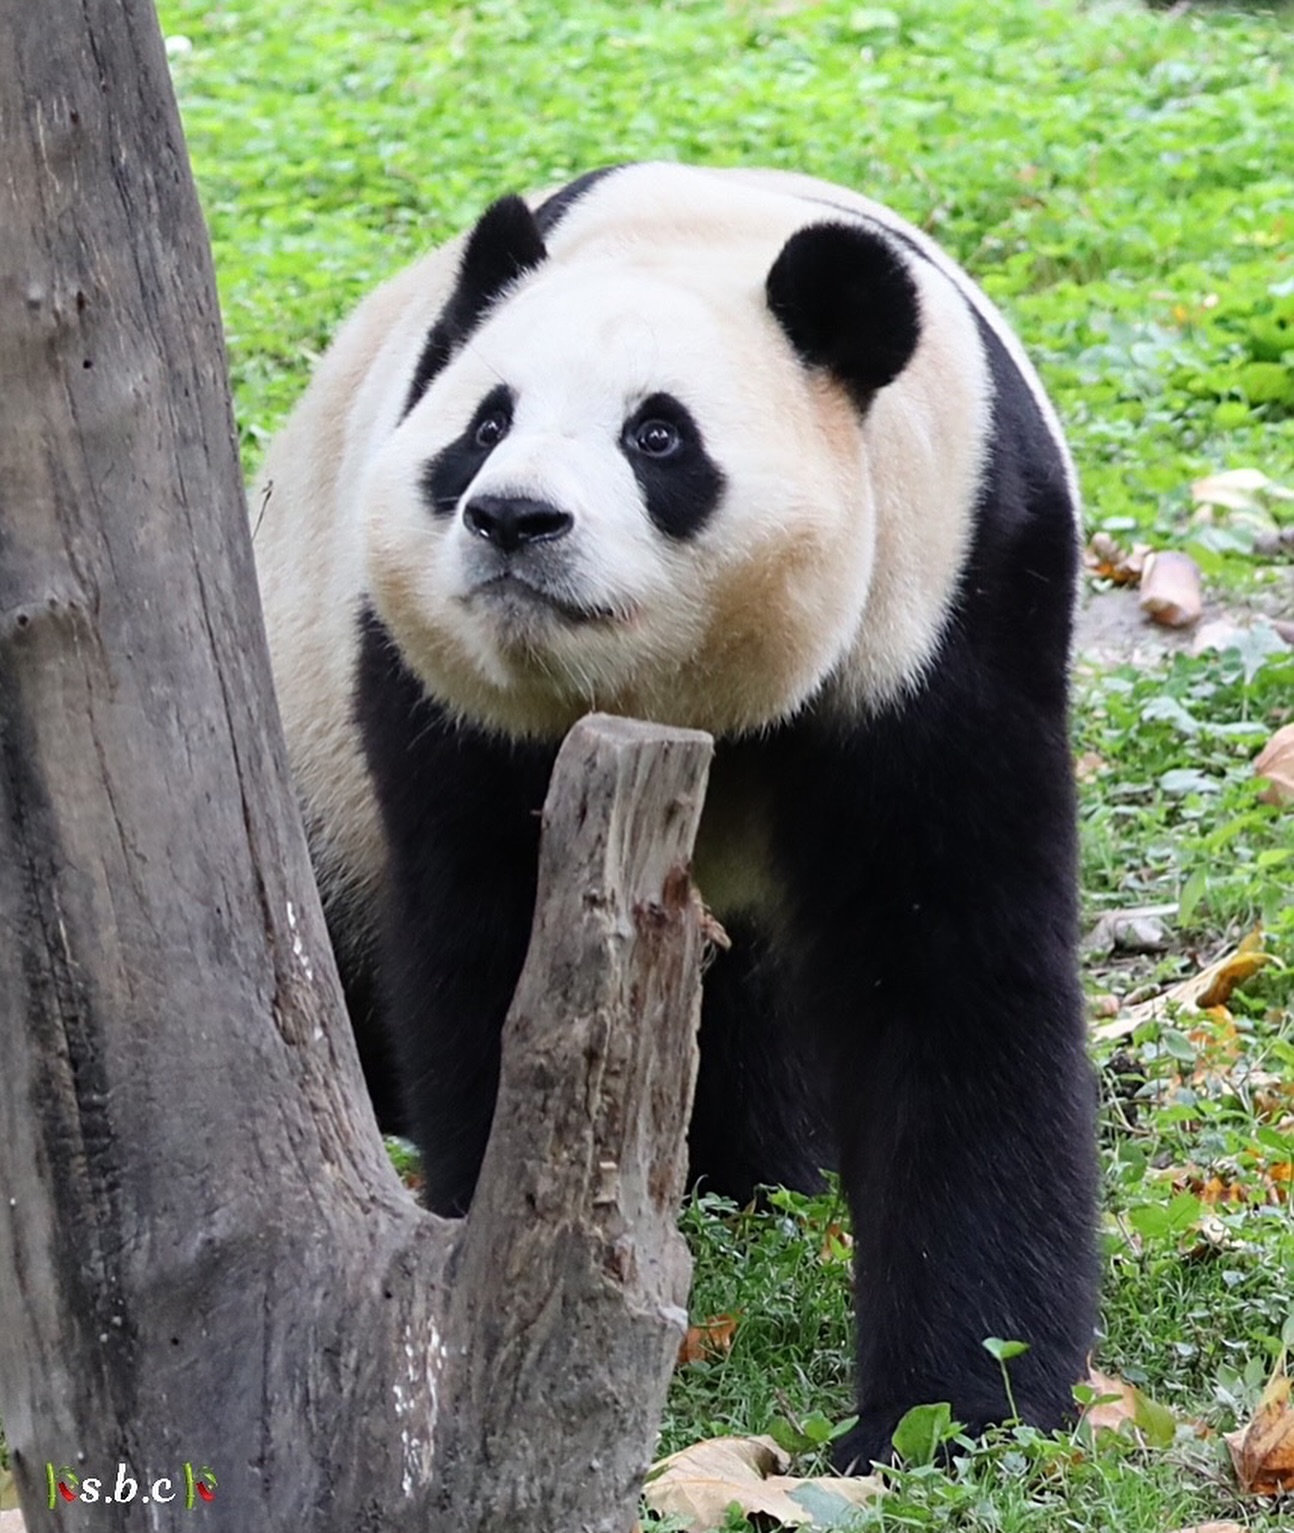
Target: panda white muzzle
<point>515,569</point>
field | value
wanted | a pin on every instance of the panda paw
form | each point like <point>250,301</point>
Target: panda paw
<point>871,1440</point>
<point>870,1443</point>
<point>867,1443</point>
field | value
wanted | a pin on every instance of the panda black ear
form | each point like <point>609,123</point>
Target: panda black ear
<point>848,303</point>
<point>504,245</point>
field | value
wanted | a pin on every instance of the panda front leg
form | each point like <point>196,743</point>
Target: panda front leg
<point>461,815</point>
<point>969,1180</point>
<point>454,941</point>
<point>939,964</point>
<point>760,1116</point>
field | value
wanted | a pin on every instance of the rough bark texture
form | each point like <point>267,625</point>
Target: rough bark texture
<point>204,1257</point>
<point>575,1216</point>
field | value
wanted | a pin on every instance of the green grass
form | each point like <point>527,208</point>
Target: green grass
<point>1120,180</point>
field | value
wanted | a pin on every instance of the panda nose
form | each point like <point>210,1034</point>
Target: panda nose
<point>511,522</point>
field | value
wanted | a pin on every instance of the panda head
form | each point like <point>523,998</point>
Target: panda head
<point>633,476</point>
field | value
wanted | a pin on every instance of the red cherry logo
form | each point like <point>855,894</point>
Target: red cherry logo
<point>67,1495</point>
<point>207,1495</point>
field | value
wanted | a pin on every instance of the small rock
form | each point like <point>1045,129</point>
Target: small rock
<point>1130,931</point>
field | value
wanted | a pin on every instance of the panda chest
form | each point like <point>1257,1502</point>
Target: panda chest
<point>733,862</point>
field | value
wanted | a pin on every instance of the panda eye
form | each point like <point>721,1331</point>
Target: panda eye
<point>491,430</point>
<point>657,438</point>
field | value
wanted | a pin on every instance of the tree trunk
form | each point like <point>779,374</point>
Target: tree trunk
<point>572,1280</point>
<point>205,1259</point>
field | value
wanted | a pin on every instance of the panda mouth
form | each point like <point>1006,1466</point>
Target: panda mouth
<point>516,596</point>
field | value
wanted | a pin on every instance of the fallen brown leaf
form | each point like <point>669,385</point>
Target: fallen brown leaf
<point>708,1339</point>
<point>1211,987</point>
<point>1170,589</point>
<point>1106,558</point>
<point>1214,1190</point>
<point>1122,1407</point>
<point>1263,1452</point>
<point>1237,489</point>
<point>703,1481</point>
<point>1273,1098</point>
<point>837,1244</point>
<point>1275,762</point>
<point>1229,972</point>
<point>1109,1412</point>
<point>1262,1182</point>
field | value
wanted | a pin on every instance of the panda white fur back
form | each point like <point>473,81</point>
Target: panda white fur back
<point>743,451</point>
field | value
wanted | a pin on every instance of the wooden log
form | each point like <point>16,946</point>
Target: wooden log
<point>572,1278</point>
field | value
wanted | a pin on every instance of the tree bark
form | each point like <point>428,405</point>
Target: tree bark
<point>572,1268</point>
<point>205,1258</point>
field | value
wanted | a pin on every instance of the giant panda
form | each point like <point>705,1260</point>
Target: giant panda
<point>739,450</point>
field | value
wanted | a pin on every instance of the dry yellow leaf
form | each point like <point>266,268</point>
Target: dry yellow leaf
<point>1262,1182</point>
<point>1275,762</point>
<point>1233,970</point>
<point>1122,1407</point>
<point>1106,558</point>
<point>1263,1452</point>
<point>1212,986</point>
<point>703,1481</point>
<point>708,1339</point>
<point>1109,1412</point>
<point>837,1244</point>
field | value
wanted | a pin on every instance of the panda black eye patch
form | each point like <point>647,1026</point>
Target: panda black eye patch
<point>680,482</point>
<point>445,477</point>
